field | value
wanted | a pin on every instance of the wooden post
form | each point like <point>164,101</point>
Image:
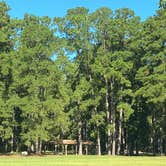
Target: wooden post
<point>72,149</point>
<point>66,150</point>
<point>86,149</point>
<point>62,149</point>
<point>76,149</point>
<point>55,150</point>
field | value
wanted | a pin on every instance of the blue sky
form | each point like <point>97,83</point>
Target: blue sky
<point>52,8</point>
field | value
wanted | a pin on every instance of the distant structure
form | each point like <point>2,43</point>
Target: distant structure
<point>64,143</point>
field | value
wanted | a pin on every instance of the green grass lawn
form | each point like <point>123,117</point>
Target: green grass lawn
<point>82,161</point>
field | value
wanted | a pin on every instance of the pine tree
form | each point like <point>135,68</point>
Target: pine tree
<point>7,96</point>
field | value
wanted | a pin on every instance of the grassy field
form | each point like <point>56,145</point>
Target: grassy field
<point>81,161</point>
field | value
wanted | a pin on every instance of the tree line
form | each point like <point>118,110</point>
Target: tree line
<point>97,76</point>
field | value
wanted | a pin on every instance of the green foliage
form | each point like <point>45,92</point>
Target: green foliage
<point>112,92</point>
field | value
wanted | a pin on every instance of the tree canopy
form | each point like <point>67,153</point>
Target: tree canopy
<point>88,76</point>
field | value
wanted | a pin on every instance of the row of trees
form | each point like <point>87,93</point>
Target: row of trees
<point>97,76</point>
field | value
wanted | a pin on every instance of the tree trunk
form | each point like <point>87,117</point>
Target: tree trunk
<point>45,148</point>
<point>37,145</point>
<point>12,143</point>
<point>164,145</point>
<point>80,138</point>
<point>164,139</point>
<point>153,133</point>
<point>120,139</point>
<point>98,143</point>
<point>40,147</point>
<point>112,117</point>
<point>114,139</point>
<point>137,148</point>
<point>123,139</point>
<point>108,119</point>
<point>32,148</point>
<point>6,147</point>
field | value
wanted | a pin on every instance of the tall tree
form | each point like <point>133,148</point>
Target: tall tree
<point>152,75</point>
<point>7,44</point>
<point>39,83</point>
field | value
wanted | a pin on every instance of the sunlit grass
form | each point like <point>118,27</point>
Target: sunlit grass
<point>82,161</point>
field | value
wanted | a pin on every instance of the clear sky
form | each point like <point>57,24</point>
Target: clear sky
<point>52,8</point>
